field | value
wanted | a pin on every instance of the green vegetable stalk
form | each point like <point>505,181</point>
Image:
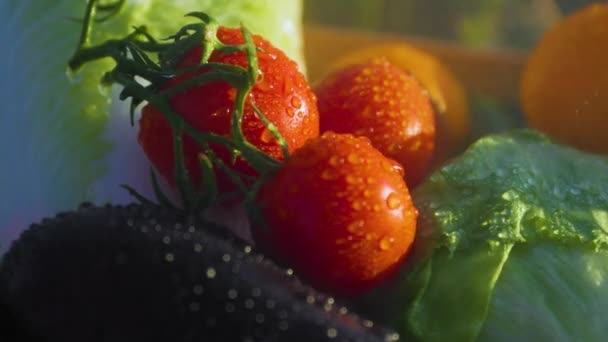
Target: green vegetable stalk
<point>58,138</point>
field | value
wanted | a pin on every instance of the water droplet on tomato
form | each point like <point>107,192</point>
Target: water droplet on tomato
<point>290,112</point>
<point>266,136</point>
<point>392,148</point>
<point>393,201</point>
<point>296,102</point>
<point>329,174</point>
<point>353,158</point>
<point>357,205</point>
<point>387,166</point>
<point>334,161</point>
<point>356,226</point>
<point>386,243</point>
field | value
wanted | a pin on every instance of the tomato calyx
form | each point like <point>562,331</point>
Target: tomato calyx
<point>144,64</point>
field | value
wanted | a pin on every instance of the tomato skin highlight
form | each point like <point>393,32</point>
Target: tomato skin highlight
<point>339,213</point>
<point>282,94</point>
<point>379,100</point>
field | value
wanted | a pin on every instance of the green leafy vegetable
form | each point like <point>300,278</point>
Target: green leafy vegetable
<point>50,127</point>
<point>512,246</point>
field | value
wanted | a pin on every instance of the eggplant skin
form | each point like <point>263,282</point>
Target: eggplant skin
<point>142,273</point>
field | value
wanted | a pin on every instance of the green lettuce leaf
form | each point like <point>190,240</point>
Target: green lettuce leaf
<point>61,143</point>
<point>512,245</point>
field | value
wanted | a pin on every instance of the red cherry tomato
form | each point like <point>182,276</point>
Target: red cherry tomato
<point>340,213</point>
<point>282,94</point>
<point>386,104</point>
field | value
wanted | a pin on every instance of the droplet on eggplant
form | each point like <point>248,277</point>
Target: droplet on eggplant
<point>138,273</point>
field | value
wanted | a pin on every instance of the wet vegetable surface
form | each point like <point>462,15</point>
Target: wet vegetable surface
<point>140,273</point>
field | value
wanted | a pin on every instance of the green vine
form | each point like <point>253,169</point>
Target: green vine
<point>140,56</point>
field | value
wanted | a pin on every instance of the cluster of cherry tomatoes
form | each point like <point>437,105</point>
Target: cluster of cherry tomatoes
<point>339,209</point>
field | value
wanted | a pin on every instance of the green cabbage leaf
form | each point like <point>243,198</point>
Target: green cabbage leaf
<point>512,245</point>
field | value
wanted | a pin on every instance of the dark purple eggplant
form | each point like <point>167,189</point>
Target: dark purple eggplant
<point>141,273</point>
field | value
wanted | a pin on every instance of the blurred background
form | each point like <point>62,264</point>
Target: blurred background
<point>475,23</point>
<point>488,35</point>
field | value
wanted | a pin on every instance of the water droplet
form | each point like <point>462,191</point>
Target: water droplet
<point>211,273</point>
<point>232,294</point>
<point>289,272</point>
<point>259,318</point>
<point>249,303</point>
<point>247,249</point>
<point>332,333</point>
<point>169,257</point>
<point>310,299</point>
<point>356,226</point>
<point>296,102</point>
<point>392,337</point>
<point>198,289</point>
<point>353,158</point>
<point>329,174</point>
<point>266,136</point>
<point>104,89</point>
<point>226,258</point>
<point>350,179</point>
<point>367,323</point>
<point>393,201</point>
<point>198,247</point>
<point>334,161</point>
<point>166,240</point>
<point>387,166</point>
<point>356,205</point>
<point>73,76</point>
<point>386,243</point>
